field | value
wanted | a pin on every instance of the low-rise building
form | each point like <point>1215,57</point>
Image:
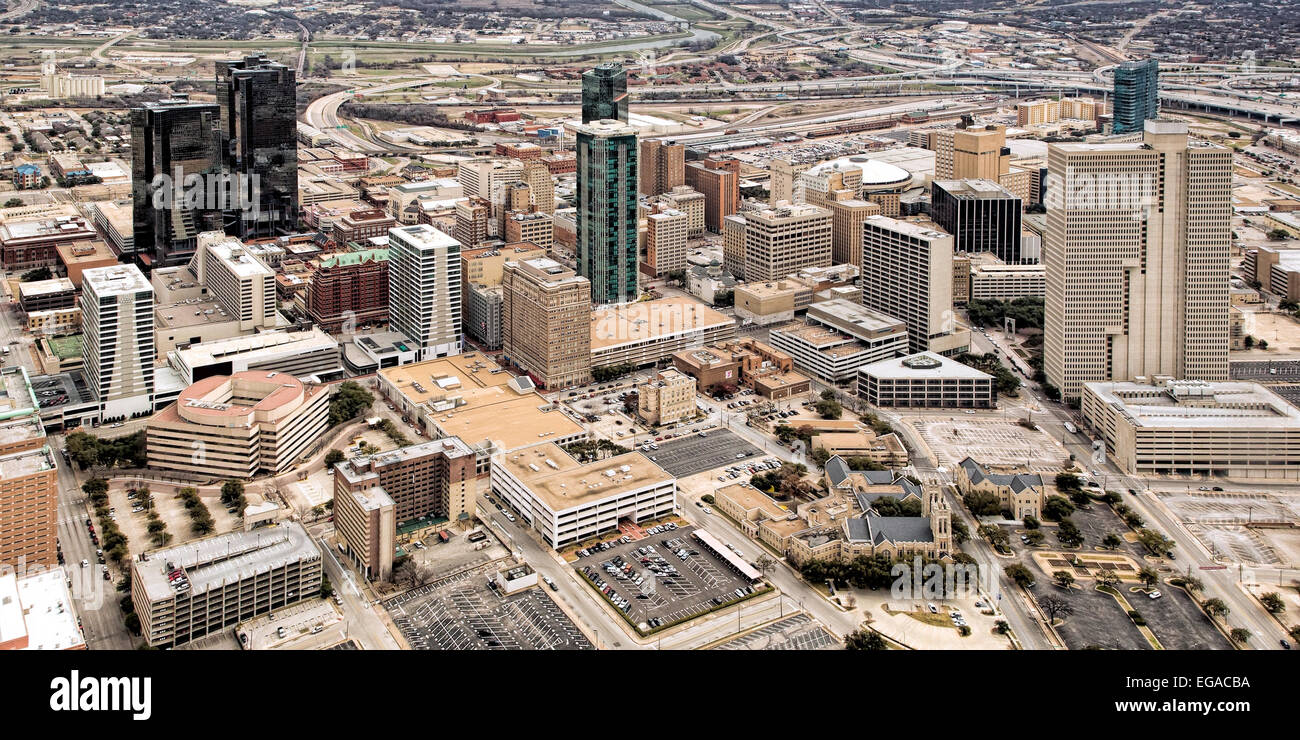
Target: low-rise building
<point>647,332</point>
<point>839,339</point>
<point>926,380</point>
<point>37,612</point>
<point>186,592</point>
<point>1194,427</point>
<point>567,501</point>
<point>887,449</point>
<point>1018,492</point>
<point>667,398</point>
<point>235,426</point>
<point>303,354</point>
<point>745,361</point>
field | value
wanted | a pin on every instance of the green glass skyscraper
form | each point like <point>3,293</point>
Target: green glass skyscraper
<point>604,93</point>
<point>1136,95</point>
<point>607,210</point>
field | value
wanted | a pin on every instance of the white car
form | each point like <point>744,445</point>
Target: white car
<point>1154,595</point>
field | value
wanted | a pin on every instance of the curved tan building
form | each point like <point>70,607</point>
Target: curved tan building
<point>237,425</point>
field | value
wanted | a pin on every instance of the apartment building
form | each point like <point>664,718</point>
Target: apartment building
<point>241,282</point>
<point>535,228</point>
<point>29,493</point>
<point>210,585</point>
<point>545,321</point>
<point>487,177</point>
<point>424,288</point>
<point>667,398</point>
<point>541,186</point>
<point>847,216</point>
<point>665,242</point>
<point>473,216</point>
<point>117,337</point>
<point>238,425</point>
<point>718,180</point>
<point>686,199</point>
<point>349,289</point>
<point>1136,258</point>
<point>567,501</point>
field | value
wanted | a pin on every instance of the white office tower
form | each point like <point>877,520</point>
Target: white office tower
<point>424,289</point>
<point>243,284</point>
<point>117,336</point>
<point>1136,259</point>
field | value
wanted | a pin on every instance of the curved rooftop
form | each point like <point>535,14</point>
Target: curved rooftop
<point>875,173</point>
<point>245,397</point>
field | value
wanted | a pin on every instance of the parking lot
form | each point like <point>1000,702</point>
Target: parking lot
<point>654,586</point>
<point>1178,623</point>
<point>798,632</point>
<point>1267,370</point>
<point>463,613</point>
<point>1097,620</point>
<point>695,454</point>
<point>991,441</point>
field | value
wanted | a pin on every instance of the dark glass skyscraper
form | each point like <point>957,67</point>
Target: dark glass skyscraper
<point>173,141</point>
<point>258,141</point>
<point>607,210</point>
<point>1136,95</point>
<point>981,215</point>
<point>604,93</point>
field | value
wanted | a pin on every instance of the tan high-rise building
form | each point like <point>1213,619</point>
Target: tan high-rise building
<point>483,178</point>
<point>472,215</point>
<point>691,202</point>
<point>537,228</point>
<point>847,216</point>
<point>978,153</point>
<point>1136,259</point>
<point>540,185</point>
<point>29,494</point>
<point>779,241</point>
<point>546,321</point>
<point>733,244</point>
<point>784,174</point>
<point>907,271</point>
<point>662,166</point>
<point>665,242</point>
<point>1035,112</point>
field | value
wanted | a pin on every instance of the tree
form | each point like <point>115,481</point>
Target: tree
<point>1279,234</point>
<point>1111,541</point>
<point>231,491</point>
<point>1063,578</point>
<point>1067,482</point>
<point>960,533</point>
<point>13,203</point>
<point>1273,602</point>
<point>1068,534</point>
<point>350,402</point>
<point>334,457</point>
<point>1149,577</point>
<point>982,503</point>
<point>1215,607</point>
<point>997,536</point>
<point>631,402</point>
<point>1031,522</point>
<point>40,273</point>
<point>1294,632</point>
<point>1057,508</point>
<point>1054,606</point>
<point>1022,576</point>
<point>1035,537</point>
<point>1155,543</point>
<point>865,638</point>
<point>829,408</point>
<point>1107,579</point>
<point>1239,635</point>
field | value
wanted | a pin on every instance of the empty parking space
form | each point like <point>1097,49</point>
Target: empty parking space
<point>1096,620</point>
<point>664,578</point>
<point>464,613</point>
<point>695,454</point>
<point>1178,623</point>
<point>798,632</point>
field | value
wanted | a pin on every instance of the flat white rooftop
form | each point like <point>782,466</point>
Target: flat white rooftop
<point>922,365</point>
<point>1198,404</point>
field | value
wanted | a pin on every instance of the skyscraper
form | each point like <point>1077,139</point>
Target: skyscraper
<point>172,141</point>
<point>910,277</point>
<point>781,241</point>
<point>117,338</point>
<point>607,210</point>
<point>1136,259</point>
<point>1136,95</point>
<point>546,321</point>
<point>604,93</point>
<point>981,215</point>
<point>424,289</point>
<point>662,166</point>
<point>258,143</point>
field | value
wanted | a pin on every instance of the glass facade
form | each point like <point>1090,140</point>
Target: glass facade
<point>604,93</point>
<point>258,143</point>
<point>176,139</point>
<point>1136,95</point>
<point>607,212</point>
